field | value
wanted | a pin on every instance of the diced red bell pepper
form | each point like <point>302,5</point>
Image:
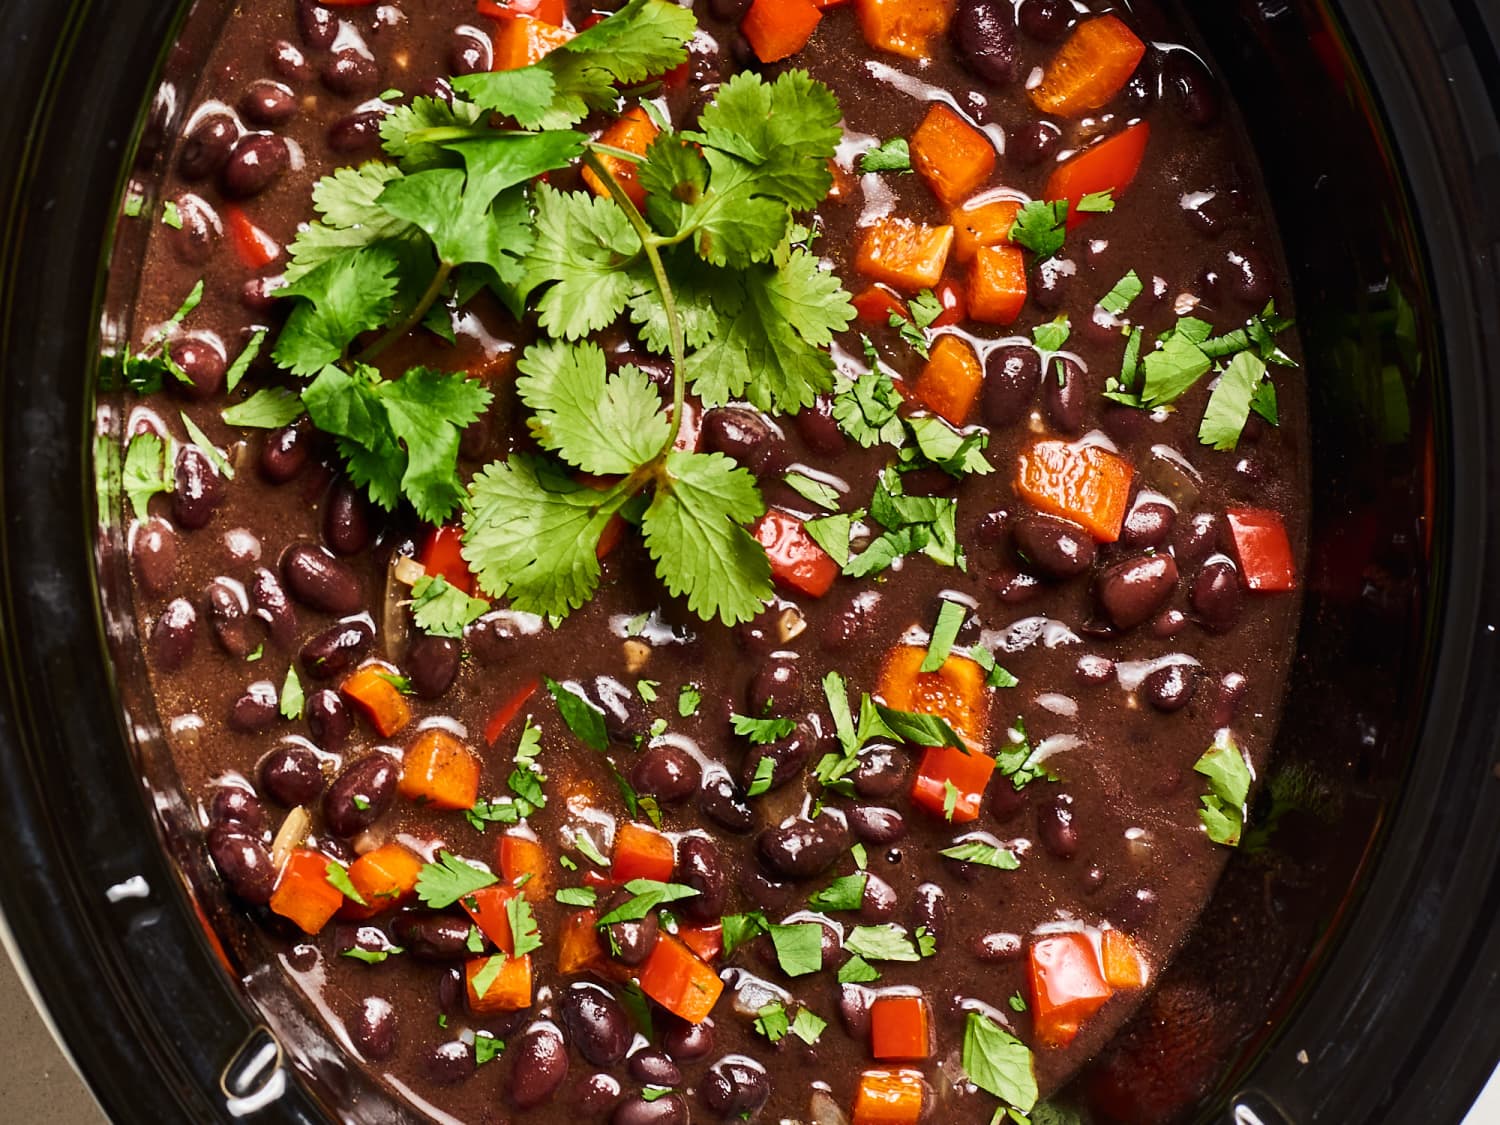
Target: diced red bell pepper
<point>487,907</point>
<point>898,1028</point>
<point>253,246</point>
<point>955,306</point>
<point>796,561</point>
<point>1108,166</point>
<point>1066,986</point>
<point>506,713</point>
<point>548,11</point>
<point>1263,549</point>
<point>706,941</point>
<point>676,979</point>
<point>877,304</point>
<point>442,556</point>
<point>968,773</point>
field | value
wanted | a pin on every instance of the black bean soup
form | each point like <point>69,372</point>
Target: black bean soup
<point>839,714</point>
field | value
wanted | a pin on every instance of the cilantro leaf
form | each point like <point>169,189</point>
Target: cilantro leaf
<point>236,370</point>
<point>583,253</point>
<point>577,896</point>
<point>956,454</point>
<point>604,424</point>
<point>771,1021</point>
<point>950,620</point>
<point>1041,227</point>
<point>888,942</point>
<point>799,947</point>
<point>1125,291</point>
<point>692,529</point>
<point>269,408</point>
<point>403,129</point>
<point>442,609</point>
<point>486,977</point>
<point>998,1062</point>
<point>986,855</point>
<point>740,928</point>
<point>1098,202</point>
<point>857,970</point>
<point>867,409</point>
<point>1172,369</point>
<point>523,928</point>
<point>338,878</point>
<point>584,719</point>
<point>893,155</point>
<point>832,534</point>
<point>1229,405</point>
<point>1223,811</point>
<point>813,491</point>
<point>1051,337</point>
<point>349,293</point>
<point>762,732</point>
<point>443,883</point>
<point>847,892</point>
<point>293,700</point>
<point>466,218</point>
<point>808,1026</point>
<point>146,472</point>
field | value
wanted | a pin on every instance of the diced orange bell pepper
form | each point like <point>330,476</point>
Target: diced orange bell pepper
<point>509,991</point>
<point>371,689</point>
<point>905,255</point>
<point>1066,987</point>
<point>1089,69</point>
<point>303,892</point>
<point>889,1097</point>
<point>953,157</point>
<point>1263,549</point>
<point>1085,484</point>
<point>523,857</point>
<point>1110,165</point>
<point>676,979</point>
<point>955,693</point>
<point>982,224</point>
<point>384,878</point>
<point>1124,967</point>
<point>706,941</point>
<point>253,246</point>
<point>549,11</point>
<point>898,1028</point>
<point>442,557</point>
<point>633,131</point>
<point>523,40</point>
<point>440,771</point>
<point>904,27</point>
<point>506,713</point>
<point>778,29</point>
<point>997,284</point>
<point>877,304</point>
<point>579,949</point>
<point>641,853</point>
<point>950,379</point>
<point>487,907</point>
<point>797,562</point>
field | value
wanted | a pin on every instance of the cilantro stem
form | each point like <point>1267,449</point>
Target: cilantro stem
<point>412,319</point>
<point>650,244</point>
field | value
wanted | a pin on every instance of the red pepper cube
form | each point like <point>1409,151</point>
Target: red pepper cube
<point>877,304</point>
<point>487,907</point>
<point>796,561</point>
<point>1263,549</point>
<point>442,557</point>
<point>968,773</point>
<point>899,1028</point>
<point>1066,986</point>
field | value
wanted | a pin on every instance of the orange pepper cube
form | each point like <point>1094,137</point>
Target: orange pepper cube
<point>641,853</point>
<point>675,977</point>
<point>982,224</point>
<point>440,771</point>
<point>523,858</point>
<point>778,29</point>
<point>303,892</point>
<point>371,689</point>
<point>523,40</point>
<point>1089,69</point>
<point>889,1097</point>
<point>953,157</point>
<point>1085,484</point>
<point>950,380</point>
<point>904,255</point>
<point>384,878</point>
<point>632,132</point>
<point>904,27</point>
<point>955,693</point>
<point>507,986</point>
<point>899,1028</point>
<point>1124,967</point>
<point>1066,986</point>
<point>997,284</point>
<point>578,947</point>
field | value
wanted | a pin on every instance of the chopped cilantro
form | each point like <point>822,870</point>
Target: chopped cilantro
<point>998,1062</point>
<point>485,978</point>
<point>1097,202</point>
<point>847,892</point>
<point>857,970</point>
<point>338,878</point>
<point>442,609</point>
<point>893,155</point>
<point>146,472</point>
<point>1017,1002</point>
<point>888,942</point>
<point>1041,227</point>
<point>646,689</point>
<point>765,773</point>
<point>949,621</point>
<point>996,676</point>
<point>269,408</point>
<point>293,699</point>
<point>950,800</point>
<point>1230,403</point>
<point>832,534</point>
<point>443,883</point>
<point>808,1027</point>
<point>986,855</point>
<point>523,929</point>
<point>1223,811</point>
<point>584,719</point>
<point>487,1048</point>
<point>762,732</point>
<point>813,491</point>
<point>799,947</point>
<point>689,699</point>
<point>740,928</point>
<point>371,956</point>
<point>867,409</point>
<point>577,896</point>
<point>170,215</point>
<point>646,896</point>
<point>771,1021</point>
<point>1125,291</point>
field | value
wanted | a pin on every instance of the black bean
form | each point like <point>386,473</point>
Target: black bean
<point>1148,525</point>
<point>284,453</point>
<point>1055,827</point>
<point>879,902</point>
<point>1216,595</point>
<point>1168,623</point>
<point>777,688</point>
<point>270,603</point>
<point>1211,213</point>
<point>730,11</point>
<point>1065,394</point>
<point>356,132</point>
<point>735,1087</point>
<point>745,437</point>
<point>360,795</point>
<point>854,1010</point>
<point>348,72</point>
<point>1047,20</point>
<point>688,1042</point>
<point>626,718</point>
<point>291,775</point>
<point>881,772</point>
<point>1198,539</point>
<point>439,88</point>
<point>336,649</point>
<point>373,1028</point>
<point>984,31</point>
<point>448,1063</point>
<point>328,719</point>
<point>346,519</point>
<point>320,581</point>
<point>596,1024</point>
<point>1133,590</point>
<point>1033,143</point>
<point>1248,276</point>
<point>153,550</point>
<point>1191,87</point>
<point>1093,670</point>
<point>699,866</point>
<point>1231,693</point>
<point>998,946</point>
<point>1170,688</point>
<point>541,1063</point>
<point>1011,376</point>
<point>468,54</point>
<point>288,61</point>
<point>724,802</point>
<point>1056,548</point>
<point>257,161</point>
<point>243,862</point>
<point>202,363</point>
<point>198,489</point>
<point>929,911</point>
<point>432,664</point>
<point>234,807</point>
<point>256,709</point>
<point>669,1109</point>
<point>629,942</point>
<point>598,1095</point>
<point>787,756</point>
<point>172,635</point>
<point>1005,802</point>
<point>1054,280</point>
<point>876,824</point>
<point>804,848</point>
<point>654,1067</point>
<point>666,772</point>
<point>852,624</point>
<point>225,608</point>
<point>193,242</point>
<point>818,430</point>
<point>432,937</point>
<point>318,25</point>
<point>207,147</point>
<point>268,103</point>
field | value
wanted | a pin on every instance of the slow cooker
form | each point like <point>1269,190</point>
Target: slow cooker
<point>1353,977</point>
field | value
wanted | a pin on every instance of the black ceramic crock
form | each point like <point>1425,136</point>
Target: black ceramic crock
<point>1352,970</point>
